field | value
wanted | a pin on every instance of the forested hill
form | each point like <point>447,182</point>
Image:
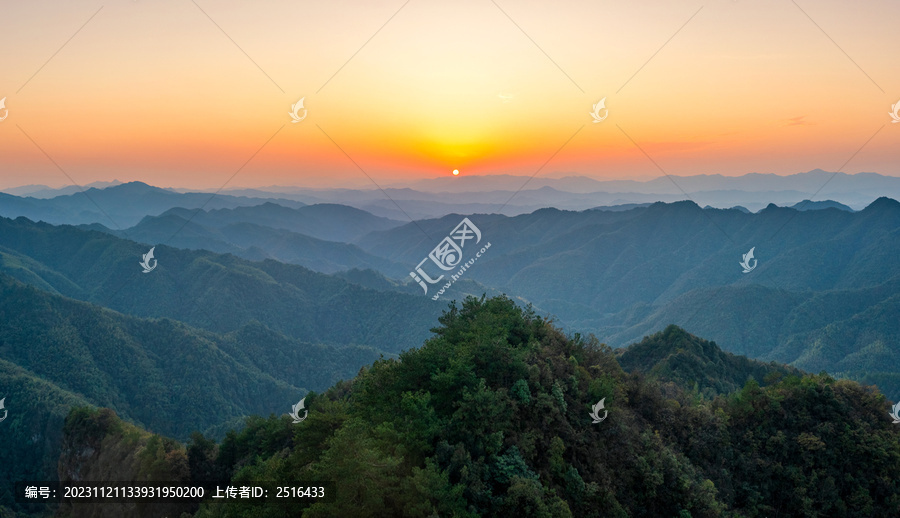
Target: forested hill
<point>163,374</point>
<point>58,353</point>
<point>676,355</point>
<point>491,417</point>
<point>31,433</point>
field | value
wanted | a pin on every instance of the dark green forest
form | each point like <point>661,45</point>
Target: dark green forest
<point>58,353</point>
<point>490,417</point>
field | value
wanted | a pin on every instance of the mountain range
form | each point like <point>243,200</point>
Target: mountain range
<point>315,236</point>
<point>620,273</point>
<point>820,277</point>
<point>225,327</point>
<point>119,206</point>
<point>514,195</point>
<point>220,293</point>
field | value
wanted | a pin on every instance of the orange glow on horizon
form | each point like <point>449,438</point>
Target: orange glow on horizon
<point>444,88</point>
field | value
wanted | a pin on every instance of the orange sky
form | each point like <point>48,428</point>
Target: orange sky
<point>154,91</point>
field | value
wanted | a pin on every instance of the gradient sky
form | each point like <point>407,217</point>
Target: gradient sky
<point>154,91</point>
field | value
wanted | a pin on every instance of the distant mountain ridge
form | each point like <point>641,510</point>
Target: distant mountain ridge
<point>119,206</point>
<point>437,197</point>
<point>509,194</point>
<point>819,205</point>
<point>44,191</point>
<point>326,221</point>
<point>671,184</point>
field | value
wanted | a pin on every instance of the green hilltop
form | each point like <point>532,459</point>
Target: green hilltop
<point>678,356</point>
<point>490,417</point>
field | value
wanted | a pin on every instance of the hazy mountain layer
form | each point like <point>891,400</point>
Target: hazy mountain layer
<point>437,197</point>
<point>221,293</point>
<point>325,221</point>
<point>625,274</point>
<point>256,243</point>
<point>120,206</point>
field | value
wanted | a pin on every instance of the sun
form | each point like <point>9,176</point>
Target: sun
<point>456,172</point>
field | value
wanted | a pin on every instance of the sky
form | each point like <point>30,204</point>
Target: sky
<point>197,93</point>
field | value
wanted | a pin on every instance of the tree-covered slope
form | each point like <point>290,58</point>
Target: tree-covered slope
<point>490,417</point>
<point>162,374</point>
<point>853,333</point>
<point>57,353</point>
<point>675,355</point>
<point>31,433</point>
<point>99,446</point>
